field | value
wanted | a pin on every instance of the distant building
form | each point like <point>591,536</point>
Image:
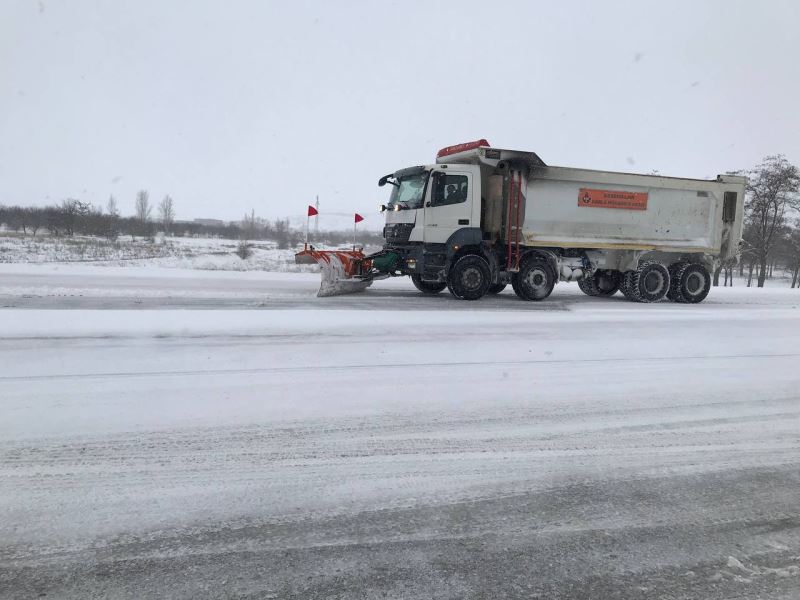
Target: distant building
<point>210,222</point>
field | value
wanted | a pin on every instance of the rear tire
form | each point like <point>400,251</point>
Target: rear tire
<point>469,278</point>
<point>496,288</point>
<point>535,280</point>
<point>625,285</point>
<point>649,283</point>
<point>427,287</point>
<point>600,283</point>
<point>693,282</point>
<point>674,280</point>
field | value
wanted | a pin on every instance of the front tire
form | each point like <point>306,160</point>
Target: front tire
<point>469,278</point>
<point>427,287</point>
<point>535,280</point>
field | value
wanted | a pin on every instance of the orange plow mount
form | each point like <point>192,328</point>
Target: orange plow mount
<point>342,270</point>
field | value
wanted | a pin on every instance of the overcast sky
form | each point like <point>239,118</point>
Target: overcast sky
<point>234,105</point>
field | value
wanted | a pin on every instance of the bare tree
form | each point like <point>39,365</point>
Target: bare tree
<point>166,211</point>
<point>18,219</point>
<point>772,192</point>
<point>143,208</point>
<point>728,267</point>
<point>249,225</point>
<point>111,207</point>
<point>36,219</point>
<point>112,221</point>
<point>793,252</point>
<point>52,217</point>
<point>282,235</point>
<point>142,211</point>
<point>71,212</point>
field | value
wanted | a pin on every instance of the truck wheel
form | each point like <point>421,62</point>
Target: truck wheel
<point>535,280</point>
<point>469,278</point>
<point>694,283</point>
<point>674,280</point>
<point>496,288</point>
<point>607,282</point>
<point>427,287</point>
<point>650,282</point>
<point>600,283</point>
<point>625,285</point>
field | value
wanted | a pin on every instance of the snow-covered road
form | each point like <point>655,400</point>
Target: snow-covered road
<point>424,447</point>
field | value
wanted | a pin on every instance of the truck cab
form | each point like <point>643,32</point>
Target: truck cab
<point>428,204</point>
<point>438,212</point>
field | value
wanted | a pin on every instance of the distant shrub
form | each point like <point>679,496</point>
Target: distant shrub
<point>244,250</point>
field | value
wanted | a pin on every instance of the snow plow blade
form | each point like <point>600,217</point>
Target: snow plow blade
<point>341,270</point>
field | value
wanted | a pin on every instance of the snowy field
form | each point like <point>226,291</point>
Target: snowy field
<point>208,254</point>
<point>182,433</point>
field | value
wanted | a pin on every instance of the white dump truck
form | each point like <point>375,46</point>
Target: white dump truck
<point>483,217</point>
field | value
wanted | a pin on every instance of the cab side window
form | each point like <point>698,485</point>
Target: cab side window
<point>448,189</point>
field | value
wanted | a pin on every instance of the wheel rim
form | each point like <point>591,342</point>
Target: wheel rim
<point>536,280</point>
<point>471,278</point>
<point>653,282</point>
<point>695,283</point>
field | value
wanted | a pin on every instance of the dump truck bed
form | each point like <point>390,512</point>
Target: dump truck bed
<point>582,208</point>
<point>568,207</point>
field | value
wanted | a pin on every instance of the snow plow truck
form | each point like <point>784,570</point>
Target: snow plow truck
<point>481,218</point>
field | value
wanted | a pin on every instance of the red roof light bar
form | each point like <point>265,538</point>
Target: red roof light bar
<point>463,148</point>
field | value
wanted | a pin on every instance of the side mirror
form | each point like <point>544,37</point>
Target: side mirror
<point>385,179</point>
<point>383,208</point>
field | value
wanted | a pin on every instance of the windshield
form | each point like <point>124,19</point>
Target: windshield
<point>409,191</point>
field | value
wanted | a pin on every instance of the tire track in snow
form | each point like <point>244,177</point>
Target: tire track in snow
<point>340,367</point>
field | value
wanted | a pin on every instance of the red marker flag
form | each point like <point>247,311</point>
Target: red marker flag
<point>311,213</point>
<point>359,218</point>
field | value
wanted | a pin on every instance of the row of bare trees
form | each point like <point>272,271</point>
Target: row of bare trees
<point>256,228</point>
<point>67,218</point>
<point>784,255</point>
<point>75,217</point>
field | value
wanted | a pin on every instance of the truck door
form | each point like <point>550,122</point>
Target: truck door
<point>449,205</point>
